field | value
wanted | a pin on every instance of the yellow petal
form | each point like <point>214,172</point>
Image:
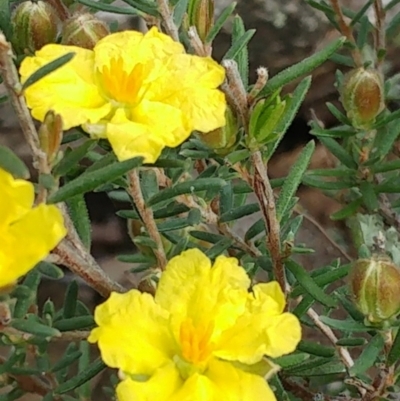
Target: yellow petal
<point>70,91</point>
<point>283,335</point>
<point>135,47</point>
<point>232,384</point>
<point>262,329</point>
<point>164,122</point>
<point>193,289</point>
<point>133,333</point>
<point>131,139</point>
<point>34,235</point>
<point>16,198</point>
<point>190,85</point>
<point>159,387</point>
<point>197,388</point>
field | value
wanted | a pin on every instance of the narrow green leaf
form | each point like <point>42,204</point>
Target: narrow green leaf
<point>84,363</point>
<point>279,390</point>
<point>386,166</point>
<point>344,325</point>
<point>206,236</point>
<point>242,58</point>
<point>50,270</point>
<point>369,355</point>
<point>239,212</point>
<point>239,45</point>
<point>173,224</point>
<point>5,19</point>
<point>32,327</point>
<point>293,105</point>
<point>309,285</point>
<point>293,180</point>
<point>66,360</point>
<point>386,137</point>
<point>347,211</point>
<point>338,114</point>
<point>255,229</point>
<point>110,8</point>
<point>10,162</point>
<point>351,342</point>
<point>311,363</point>
<point>339,151</point>
<point>75,323</point>
<point>188,187</point>
<point>148,184</point>
<point>327,185</point>
<point>47,69</point>
<point>94,369</point>
<point>316,349</point>
<point>71,159</point>
<point>369,197</point>
<point>303,67</point>
<point>70,300</point>
<point>22,305</point>
<point>361,12</point>
<point>324,279</point>
<point>80,217</point>
<point>220,247</point>
<point>327,369</point>
<point>292,360</point>
<point>219,23</point>
<point>179,12</point>
<point>147,7</point>
<point>394,353</point>
<point>89,181</point>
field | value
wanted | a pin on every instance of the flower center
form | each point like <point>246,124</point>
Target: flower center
<point>118,84</point>
<point>195,341</point>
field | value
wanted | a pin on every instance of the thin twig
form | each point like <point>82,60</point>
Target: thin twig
<point>147,217</point>
<point>346,30</point>
<point>266,199</point>
<point>74,335</point>
<point>330,335</point>
<point>12,83</point>
<point>322,230</point>
<point>172,30</point>
<point>86,267</point>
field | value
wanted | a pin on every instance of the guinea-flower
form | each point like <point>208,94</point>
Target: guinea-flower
<point>202,337</point>
<point>140,91</point>
<point>27,233</point>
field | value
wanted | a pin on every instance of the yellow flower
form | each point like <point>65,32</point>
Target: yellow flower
<point>27,234</point>
<point>140,91</point>
<point>203,337</point>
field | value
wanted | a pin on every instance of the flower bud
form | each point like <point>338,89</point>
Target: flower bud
<point>50,135</point>
<point>201,15</point>
<point>264,118</point>
<point>221,140</point>
<point>375,286</point>
<point>362,96</point>
<point>35,24</point>
<point>83,30</point>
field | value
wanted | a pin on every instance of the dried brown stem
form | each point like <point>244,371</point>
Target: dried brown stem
<point>346,30</point>
<point>12,83</point>
<point>146,214</point>
<point>166,14</point>
<point>84,265</point>
<point>266,199</point>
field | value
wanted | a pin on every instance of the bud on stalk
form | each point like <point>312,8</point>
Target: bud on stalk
<point>362,96</point>
<point>35,24</point>
<point>375,284</point>
<point>50,136</point>
<point>83,30</point>
<point>201,15</point>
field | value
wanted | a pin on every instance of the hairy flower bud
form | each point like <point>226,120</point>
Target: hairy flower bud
<point>263,120</point>
<point>50,135</point>
<point>83,30</point>
<point>362,96</point>
<point>222,139</point>
<point>375,286</point>
<point>35,24</point>
<point>201,15</point>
